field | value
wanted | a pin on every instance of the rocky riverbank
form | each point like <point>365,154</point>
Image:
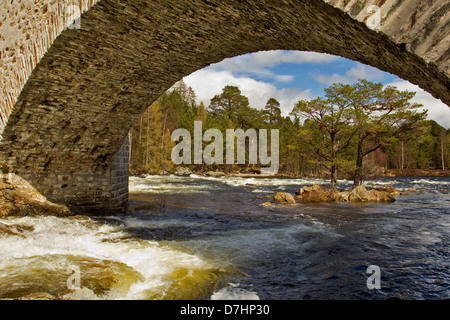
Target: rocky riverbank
<point>416,173</point>
<point>254,172</point>
<point>19,198</point>
<point>321,194</point>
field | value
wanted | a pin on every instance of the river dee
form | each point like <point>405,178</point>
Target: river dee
<point>210,238</point>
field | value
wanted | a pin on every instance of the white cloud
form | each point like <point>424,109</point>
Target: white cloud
<point>437,110</point>
<point>209,82</point>
<point>273,58</point>
<point>259,63</point>
<point>238,71</point>
<point>330,79</point>
<point>241,71</point>
<point>284,78</point>
<point>359,72</point>
<point>365,72</point>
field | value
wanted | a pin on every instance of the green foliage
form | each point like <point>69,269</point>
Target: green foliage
<point>230,102</point>
<point>272,112</point>
<point>335,135</point>
<point>151,144</point>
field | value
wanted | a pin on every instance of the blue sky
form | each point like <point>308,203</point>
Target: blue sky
<point>289,76</point>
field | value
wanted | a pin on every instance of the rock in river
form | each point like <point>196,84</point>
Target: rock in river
<point>19,198</point>
<point>283,197</point>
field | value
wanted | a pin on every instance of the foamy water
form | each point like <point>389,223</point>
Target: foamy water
<point>216,241</point>
<point>142,269</point>
<point>192,184</point>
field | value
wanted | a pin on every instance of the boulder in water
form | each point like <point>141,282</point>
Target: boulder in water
<point>183,171</point>
<point>215,174</point>
<point>283,197</point>
<point>381,196</point>
<point>359,194</point>
<point>317,194</point>
<point>19,198</point>
<point>320,194</point>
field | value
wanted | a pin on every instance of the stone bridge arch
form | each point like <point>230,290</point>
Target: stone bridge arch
<point>70,96</point>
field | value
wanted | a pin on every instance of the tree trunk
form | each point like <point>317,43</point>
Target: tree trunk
<point>403,156</point>
<point>140,131</point>
<point>357,179</point>
<point>333,176</point>
<point>442,150</point>
<point>333,162</point>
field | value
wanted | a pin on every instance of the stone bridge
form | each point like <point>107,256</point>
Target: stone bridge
<point>70,92</point>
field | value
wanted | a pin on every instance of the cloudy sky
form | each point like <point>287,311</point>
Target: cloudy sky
<point>290,76</point>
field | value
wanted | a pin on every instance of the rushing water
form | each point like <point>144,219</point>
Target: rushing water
<point>210,238</point>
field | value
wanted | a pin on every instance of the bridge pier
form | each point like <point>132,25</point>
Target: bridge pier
<point>119,177</point>
<point>87,191</point>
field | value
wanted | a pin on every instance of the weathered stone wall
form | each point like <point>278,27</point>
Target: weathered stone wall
<point>93,83</point>
<point>120,176</point>
<point>87,191</point>
<point>422,26</point>
<point>27,30</point>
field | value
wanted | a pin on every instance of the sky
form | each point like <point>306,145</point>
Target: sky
<point>290,76</point>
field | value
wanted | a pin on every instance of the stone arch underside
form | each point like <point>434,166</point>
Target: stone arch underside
<point>93,83</point>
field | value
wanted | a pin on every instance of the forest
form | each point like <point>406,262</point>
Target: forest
<point>353,131</point>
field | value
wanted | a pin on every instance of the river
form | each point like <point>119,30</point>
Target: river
<point>210,238</point>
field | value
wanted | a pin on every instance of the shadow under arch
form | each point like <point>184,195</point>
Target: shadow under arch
<point>93,83</point>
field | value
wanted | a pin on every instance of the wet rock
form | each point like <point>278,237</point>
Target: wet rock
<point>267,204</point>
<point>15,230</point>
<point>320,194</point>
<point>40,296</point>
<point>381,196</point>
<point>407,191</point>
<point>317,194</point>
<point>359,194</point>
<point>19,198</point>
<point>183,171</point>
<point>344,195</point>
<point>283,197</point>
<point>389,189</point>
<point>163,173</point>
<point>215,174</point>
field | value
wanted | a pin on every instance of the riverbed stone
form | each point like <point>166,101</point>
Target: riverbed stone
<point>359,194</point>
<point>183,171</point>
<point>380,196</point>
<point>317,194</point>
<point>284,197</point>
<point>19,198</point>
<point>215,174</point>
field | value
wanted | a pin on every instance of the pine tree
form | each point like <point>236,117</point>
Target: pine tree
<point>379,115</point>
<point>328,134</point>
<point>272,111</point>
<point>201,113</point>
<point>230,100</point>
